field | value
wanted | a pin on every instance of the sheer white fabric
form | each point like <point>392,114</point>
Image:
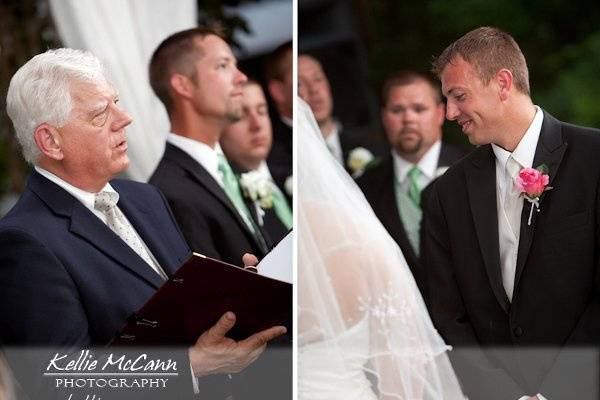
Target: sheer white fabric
<point>361,318</point>
<point>123,34</point>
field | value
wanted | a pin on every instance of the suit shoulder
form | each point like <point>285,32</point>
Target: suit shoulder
<point>138,188</point>
<point>456,170</point>
<point>373,177</point>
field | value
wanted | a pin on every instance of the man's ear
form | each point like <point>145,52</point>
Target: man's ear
<point>276,89</point>
<point>181,85</point>
<point>49,142</point>
<point>504,78</point>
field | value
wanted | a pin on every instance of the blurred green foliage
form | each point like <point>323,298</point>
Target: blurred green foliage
<point>560,40</point>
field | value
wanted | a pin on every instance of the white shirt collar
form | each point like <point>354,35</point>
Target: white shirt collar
<point>427,164</point>
<point>525,150</point>
<point>86,198</point>
<point>334,143</point>
<point>202,153</point>
<point>263,168</point>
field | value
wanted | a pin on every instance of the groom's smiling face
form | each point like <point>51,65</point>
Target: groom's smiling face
<point>474,105</point>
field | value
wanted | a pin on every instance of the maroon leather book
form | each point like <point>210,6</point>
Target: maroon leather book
<point>197,295</point>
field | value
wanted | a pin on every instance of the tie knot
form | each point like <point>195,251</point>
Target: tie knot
<point>513,167</point>
<point>414,172</point>
<point>104,201</point>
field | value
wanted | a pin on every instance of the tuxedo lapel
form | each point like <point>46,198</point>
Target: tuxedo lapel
<point>549,151</point>
<point>481,186</point>
<point>202,176</point>
<point>85,224</point>
<point>387,208</point>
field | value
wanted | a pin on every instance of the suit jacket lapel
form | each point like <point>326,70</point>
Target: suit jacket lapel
<point>86,225</point>
<point>386,207</point>
<point>550,151</point>
<point>481,186</point>
<point>201,175</point>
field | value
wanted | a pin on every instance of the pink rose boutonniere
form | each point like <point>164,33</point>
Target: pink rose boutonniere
<point>532,182</point>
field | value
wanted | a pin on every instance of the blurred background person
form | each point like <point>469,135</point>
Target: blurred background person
<point>247,143</point>
<point>314,88</point>
<point>412,114</point>
<point>278,75</point>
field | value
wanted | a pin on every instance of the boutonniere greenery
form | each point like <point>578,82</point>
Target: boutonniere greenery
<point>360,160</point>
<point>258,188</point>
<point>532,182</point>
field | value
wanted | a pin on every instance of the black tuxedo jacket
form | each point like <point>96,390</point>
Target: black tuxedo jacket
<point>378,185</point>
<point>209,221</point>
<point>280,159</point>
<point>525,346</point>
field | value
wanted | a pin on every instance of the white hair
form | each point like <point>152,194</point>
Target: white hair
<point>40,92</point>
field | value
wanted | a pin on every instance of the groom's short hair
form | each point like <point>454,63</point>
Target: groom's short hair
<point>489,50</point>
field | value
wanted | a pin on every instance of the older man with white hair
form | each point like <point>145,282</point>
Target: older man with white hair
<point>79,254</point>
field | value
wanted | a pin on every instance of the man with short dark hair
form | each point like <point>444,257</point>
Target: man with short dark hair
<point>195,74</point>
<point>511,242</point>
<point>412,113</point>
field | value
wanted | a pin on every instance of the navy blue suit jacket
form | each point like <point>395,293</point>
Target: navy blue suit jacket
<point>66,279</point>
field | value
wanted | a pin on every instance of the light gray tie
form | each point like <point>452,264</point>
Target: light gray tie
<point>106,202</point>
<point>512,196</point>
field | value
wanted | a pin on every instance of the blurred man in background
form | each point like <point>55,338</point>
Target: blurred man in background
<point>278,74</point>
<point>352,150</point>
<point>412,114</point>
<point>247,143</point>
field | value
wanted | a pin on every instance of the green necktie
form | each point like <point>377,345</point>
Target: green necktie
<point>282,210</point>
<point>414,191</point>
<point>232,188</point>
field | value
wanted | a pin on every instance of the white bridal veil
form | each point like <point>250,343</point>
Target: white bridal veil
<point>364,330</point>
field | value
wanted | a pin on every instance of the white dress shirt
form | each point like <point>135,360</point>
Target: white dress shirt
<point>427,165</point>
<point>334,144</point>
<point>88,199</point>
<point>509,204</point>
<point>202,153</point>
<point>509,210</point>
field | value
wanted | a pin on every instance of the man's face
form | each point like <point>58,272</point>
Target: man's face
<point>313,87</point>
<point>474,106</point>
<point>248,141</point>
<point>218,82</point>
<point>93,141</point>
<point>412,118</point>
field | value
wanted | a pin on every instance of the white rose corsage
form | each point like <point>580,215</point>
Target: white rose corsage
<point>358,160</point>
<point>257,187</point>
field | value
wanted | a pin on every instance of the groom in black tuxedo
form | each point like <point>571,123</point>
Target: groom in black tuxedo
<point>515,291</point>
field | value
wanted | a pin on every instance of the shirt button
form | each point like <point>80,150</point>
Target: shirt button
<point>518,331</point>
